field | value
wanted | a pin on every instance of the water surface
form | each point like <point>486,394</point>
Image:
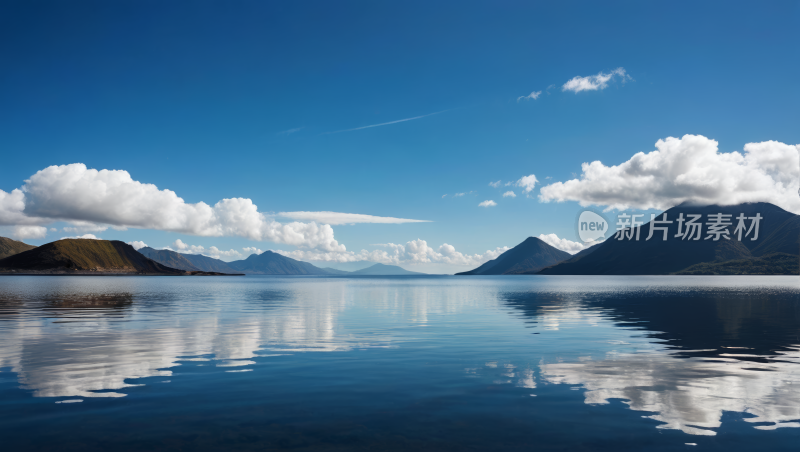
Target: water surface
<point>399,363</point>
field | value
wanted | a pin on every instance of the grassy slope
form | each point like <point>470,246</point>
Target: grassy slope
<point>10,247</point>
<point>85,254</point>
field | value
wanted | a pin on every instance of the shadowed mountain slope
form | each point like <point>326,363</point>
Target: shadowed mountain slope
<point>169,258</point>
<point>658,257</point>
<point>86,255</point>
<point>529,256</point>
<point>785,239</point>
<point>10,247</point>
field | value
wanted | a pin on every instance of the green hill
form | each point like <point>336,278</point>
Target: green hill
<point>10,247</point>
<point>85,255</point>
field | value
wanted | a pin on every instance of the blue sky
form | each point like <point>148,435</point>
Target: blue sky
<point>218,100</point>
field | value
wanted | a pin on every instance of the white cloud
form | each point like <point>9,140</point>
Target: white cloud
<point>532,96</point>
<point>84,236</point>
<point>495,184</point>
<point>459,194</point>
<point>510,194</point>
<point>563,244</point>
<point>413,252</point>
<point>688,169</point>
<point>527,183</point>
<point>594,82</point>
<point>12,210</point>
<point>212,251</point>
<point>338,218</point>
<point>29,232</point>
<point>137,244</point>
<point>82,227</point>
<point>487,203</point>
<point>444,195</point>
<point>76,194</point>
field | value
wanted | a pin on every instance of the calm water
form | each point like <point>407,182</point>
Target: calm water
<point>400,363</point>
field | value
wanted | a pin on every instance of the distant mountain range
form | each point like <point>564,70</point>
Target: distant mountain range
<point>266,263</point>
<point>383,270</point>
<point>85,256</point>
<point>776,251</point>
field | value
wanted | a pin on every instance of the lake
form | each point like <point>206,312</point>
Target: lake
<point>400,363</point>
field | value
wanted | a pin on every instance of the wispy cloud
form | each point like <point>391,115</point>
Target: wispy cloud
<point>532,96</point>
<point>594,82</point>
<point>509,194</point>
<point>495,184</point>
<point>487,203</point>
<point>291,131</point>
<point>386,123</point>
<point>337,218</point>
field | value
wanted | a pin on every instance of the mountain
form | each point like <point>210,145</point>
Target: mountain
<point>269,263</point>
<point>383,270</point>
<point>10,247</point>
<point>785,239</point>
<point>335,271</point>
<point>188,262</point>
<point>770,264</point>
<point>661,257</point>
<point>528,257</point>
<point>85,256</point>
<point>209,264</point>
<point>168,258</point>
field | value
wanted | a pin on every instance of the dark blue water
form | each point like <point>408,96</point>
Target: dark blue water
<point>399,363</point>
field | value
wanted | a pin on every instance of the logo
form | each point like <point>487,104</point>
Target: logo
<point>591,226</point>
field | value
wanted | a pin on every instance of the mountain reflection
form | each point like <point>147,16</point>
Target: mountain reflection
<point>688,355</point>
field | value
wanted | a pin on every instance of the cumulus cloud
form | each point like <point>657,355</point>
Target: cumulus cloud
<point>29,232</point>
<point>413,252</point>
<point>688,169</point>
<point>337,218</point>
<point>212,251</point>
<point>487,203</point>
<point>532,96</point>
<point>137,244</point>
<point>527,183</point>
<point>495,184</point>
<point>563,244</point>
<point>594,82</point>
<point>12,210</point>
<point>111,197</point>
<point>509,194</point>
